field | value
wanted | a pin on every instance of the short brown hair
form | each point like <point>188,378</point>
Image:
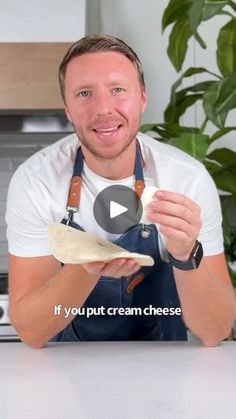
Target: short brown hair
<point>98,43</point>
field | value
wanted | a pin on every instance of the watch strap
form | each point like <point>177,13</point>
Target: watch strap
<point>194,259</point>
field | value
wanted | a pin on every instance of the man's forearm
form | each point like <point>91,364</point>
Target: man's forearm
<point>33,315</point>
<point>208,305</point>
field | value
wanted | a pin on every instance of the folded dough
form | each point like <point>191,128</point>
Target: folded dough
<point>70,245</point>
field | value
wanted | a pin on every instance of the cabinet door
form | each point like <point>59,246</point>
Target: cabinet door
<point>29,75</point>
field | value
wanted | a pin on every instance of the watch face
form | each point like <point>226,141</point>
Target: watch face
<point>194,259</point>
<point>197,254</point>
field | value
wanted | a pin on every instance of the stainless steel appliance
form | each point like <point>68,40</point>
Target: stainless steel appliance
<point>22,133</point>
<point>7,331</point>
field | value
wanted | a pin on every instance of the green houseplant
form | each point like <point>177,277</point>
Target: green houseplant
<point>217,94</point>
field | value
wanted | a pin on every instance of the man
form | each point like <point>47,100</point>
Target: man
<point>104,93</point>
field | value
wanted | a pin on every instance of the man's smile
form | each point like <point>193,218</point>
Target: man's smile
<point>107,131</point>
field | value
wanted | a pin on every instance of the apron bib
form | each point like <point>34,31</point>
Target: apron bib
<point>149,288</point>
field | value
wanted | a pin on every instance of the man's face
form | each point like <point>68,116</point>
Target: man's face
<point>104,101</point>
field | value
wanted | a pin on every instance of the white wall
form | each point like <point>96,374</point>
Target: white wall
<point>41,20</point>
<point>138,22</point>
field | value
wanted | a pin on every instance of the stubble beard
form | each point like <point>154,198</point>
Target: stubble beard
<point>98,155</point>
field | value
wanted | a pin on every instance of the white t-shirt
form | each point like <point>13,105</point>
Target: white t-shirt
<point>39,188</point>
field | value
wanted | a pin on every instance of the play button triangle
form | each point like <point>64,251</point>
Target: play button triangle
<point>116,209</point>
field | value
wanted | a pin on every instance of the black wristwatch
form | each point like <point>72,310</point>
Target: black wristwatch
<point>194,259</point>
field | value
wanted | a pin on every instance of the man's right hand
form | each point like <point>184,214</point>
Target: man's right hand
<point>115,268</point>
<point>37,284</point>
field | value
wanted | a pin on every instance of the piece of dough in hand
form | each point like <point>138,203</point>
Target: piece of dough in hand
<point>146,198</point>
<point>70,245</point>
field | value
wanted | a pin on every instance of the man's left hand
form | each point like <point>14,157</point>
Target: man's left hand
<point>179,220</point>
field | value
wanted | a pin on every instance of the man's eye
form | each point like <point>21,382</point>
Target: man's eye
<point>118,89</point>
<point>84,93</point>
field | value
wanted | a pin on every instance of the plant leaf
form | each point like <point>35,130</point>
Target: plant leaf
<point>212,7</point>
<point>195,18</point>
<point>232,4</point>
<point>181,100</point>
<point>211,166</point>
<point>175,130</point>
<point>228,203</point>
<point>224,156</point>
<point>225,175</point>
<point>209,101</point>
<point>201,87</point>
<point>173,113</point>
<point>178,42</point>
<point>174,11</point>
<point>148,127</point>
<point>160,129</point>
<point>194,144</point>
<point>188,73</point>
<point>225,179</point>
<point>226,99</point>
<point>226,49</point>
<point>221,133</point>
<point>166,130</point>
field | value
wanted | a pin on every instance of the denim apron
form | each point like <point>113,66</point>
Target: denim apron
<point>149,287</point>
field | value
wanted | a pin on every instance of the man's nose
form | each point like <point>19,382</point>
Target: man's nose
<point>103,103</point>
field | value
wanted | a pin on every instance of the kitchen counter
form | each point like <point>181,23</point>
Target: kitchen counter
<point>123,380</point>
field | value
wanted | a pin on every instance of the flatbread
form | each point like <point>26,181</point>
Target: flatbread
<point>146,198</point>
<point>70,245</point>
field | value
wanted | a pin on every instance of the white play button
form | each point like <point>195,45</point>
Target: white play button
<point>116,209</point>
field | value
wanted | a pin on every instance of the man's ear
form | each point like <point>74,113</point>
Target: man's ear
<point>144,99</point>
<point>68,115</point>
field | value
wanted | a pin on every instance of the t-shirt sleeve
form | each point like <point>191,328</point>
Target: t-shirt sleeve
<point>26,224</point>
<point>205,194</point>
<point>30,208</point>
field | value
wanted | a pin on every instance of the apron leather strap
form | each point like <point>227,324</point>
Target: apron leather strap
<point>76,181</point>
<point>74,194</point>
